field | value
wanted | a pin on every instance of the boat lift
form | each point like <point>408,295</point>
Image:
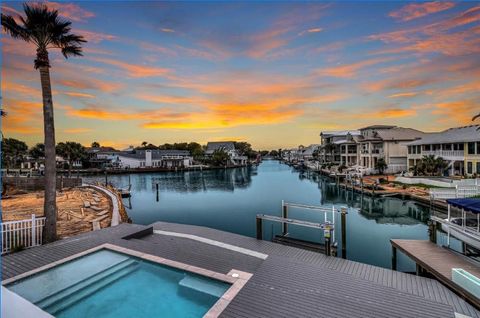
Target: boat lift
<point>328,226</point>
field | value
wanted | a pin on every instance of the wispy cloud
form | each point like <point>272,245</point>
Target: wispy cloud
<point>417,10</point>
<point>135,70</point>
<point>71,11</point>
<point>312,30</point>
<point>349,70</point>
<point>79,94</point>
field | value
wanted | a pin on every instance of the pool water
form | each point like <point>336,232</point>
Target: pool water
<point>110,284</point>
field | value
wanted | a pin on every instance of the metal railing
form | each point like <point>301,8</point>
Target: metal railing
<point>464,191</point>
<point>22,234</point>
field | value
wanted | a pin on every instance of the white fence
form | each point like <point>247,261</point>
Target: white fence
<point>22,234</point>
<point>453,193</point>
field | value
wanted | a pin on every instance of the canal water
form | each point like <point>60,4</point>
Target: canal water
<point>229,200</point>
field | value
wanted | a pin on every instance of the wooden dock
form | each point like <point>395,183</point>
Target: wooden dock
<point>438,262</point>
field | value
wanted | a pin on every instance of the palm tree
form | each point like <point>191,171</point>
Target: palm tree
<point>46,30</point>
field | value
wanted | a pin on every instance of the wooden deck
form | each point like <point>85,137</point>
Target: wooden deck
<point>438,261</point>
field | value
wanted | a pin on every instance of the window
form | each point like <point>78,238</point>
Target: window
<point>426,147</point>
<point>478,168</point>
<point>471,148</point>
<point>478,148</point>
<point>469,167</point>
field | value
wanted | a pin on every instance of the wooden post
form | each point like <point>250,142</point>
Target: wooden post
<point>106,177</point>
<point>156,185</point>
<point>394,258</point>
<point>259,228</point>
<point>432,231</point>
<point>285,216</point>
<point>344,232</point>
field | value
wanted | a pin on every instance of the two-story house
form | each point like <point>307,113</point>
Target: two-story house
<point>459,146</point>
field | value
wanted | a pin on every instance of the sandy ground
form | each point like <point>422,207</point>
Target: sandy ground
<point>78,209</point>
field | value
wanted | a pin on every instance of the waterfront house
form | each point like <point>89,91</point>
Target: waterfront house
<point>229,148</point>
<point>101,157</point>
<point>332,143</point>
<point>387,142</point>
<point>459,146</point>
<point>308,153</point>
<point>364,147</point>
<point>155,159</point>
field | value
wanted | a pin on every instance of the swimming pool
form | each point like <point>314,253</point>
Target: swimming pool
<point>111,284</point>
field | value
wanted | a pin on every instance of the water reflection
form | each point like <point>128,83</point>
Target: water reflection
<point>210,180</point>
<point>229,199</point>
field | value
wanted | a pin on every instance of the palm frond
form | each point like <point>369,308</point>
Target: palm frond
<point>476,116</point>
<point>15,30</point>
<point>72,50</point>
<point>3,113</point>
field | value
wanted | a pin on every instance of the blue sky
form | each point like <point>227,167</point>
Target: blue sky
<point>274,74</point>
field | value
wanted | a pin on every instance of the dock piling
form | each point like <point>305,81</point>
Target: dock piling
<point>259,229</point>
<point>343,215</point>
<point>394,258</point>
<point>285,216</point>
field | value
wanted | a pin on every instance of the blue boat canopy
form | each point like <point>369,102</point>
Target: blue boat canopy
<point>468,204</point>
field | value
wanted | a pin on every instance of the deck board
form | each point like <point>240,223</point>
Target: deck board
<point>290,283</point>
<point>439,261</point>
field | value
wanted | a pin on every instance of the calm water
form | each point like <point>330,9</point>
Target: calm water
<point>229,200</point>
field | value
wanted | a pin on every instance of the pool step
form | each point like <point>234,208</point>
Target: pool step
<point>68,296</point>
<point>203,285</point>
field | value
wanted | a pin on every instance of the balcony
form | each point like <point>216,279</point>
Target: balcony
<point>445,154</point>
<point>372,152</point>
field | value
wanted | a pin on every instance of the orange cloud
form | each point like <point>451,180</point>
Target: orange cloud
<point>135,70</point>
<point>89,83</point>
<point>8,88</point>
<point>77,130</point>
<point>408,94</point>
<point>418,10</point>
<point>95,37</point>
<point>349,70</point>
<point>436,37</point>
<point>457,112</point>
<point>71,11</point>
<point>24,117</point>
<point>78,94</point>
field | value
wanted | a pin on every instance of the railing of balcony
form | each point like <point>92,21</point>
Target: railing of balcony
<point>444,153</point>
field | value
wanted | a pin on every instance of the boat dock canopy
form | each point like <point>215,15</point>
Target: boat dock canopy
<point>468,204</point>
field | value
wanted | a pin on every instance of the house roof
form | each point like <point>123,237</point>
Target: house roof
<point>100,149</point>
<point>156,154</point>
<point>378,127</point>
<point>400,133</point>
<point>339,133</point>
<point>220,145</point>
<point>452,135</point>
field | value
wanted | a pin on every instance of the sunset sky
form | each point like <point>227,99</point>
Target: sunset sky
<point>272,74</point>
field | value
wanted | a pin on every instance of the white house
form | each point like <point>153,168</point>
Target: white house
<point>155,158</point>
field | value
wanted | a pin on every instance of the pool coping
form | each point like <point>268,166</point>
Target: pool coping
<point>236,278</point>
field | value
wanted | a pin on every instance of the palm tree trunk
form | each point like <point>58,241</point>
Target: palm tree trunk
<point>50,206</point>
